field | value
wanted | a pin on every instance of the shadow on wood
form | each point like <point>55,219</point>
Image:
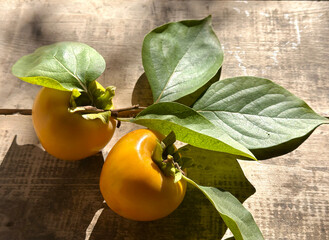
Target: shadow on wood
<point>195,218</point>
<point>33,27</point>
<point>142,93</point>
<point>46,198</point>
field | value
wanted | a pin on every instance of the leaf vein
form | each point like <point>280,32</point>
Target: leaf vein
<point>189,47</point>
<point>76,77</point>
<point>242,91</point>
<point>256,115</point>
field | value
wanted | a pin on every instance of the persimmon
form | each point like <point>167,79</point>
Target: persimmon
<point>67,135</point>
<point>133,185</point>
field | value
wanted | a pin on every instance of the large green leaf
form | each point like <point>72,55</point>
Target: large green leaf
<point>190,99</point>
<point>219,170</point>
<point>223,172</point>
<point>63,66</point>
<point>181,57</point>
<point>238,219</point>
<point>189,127</point>
<point>261,115</point>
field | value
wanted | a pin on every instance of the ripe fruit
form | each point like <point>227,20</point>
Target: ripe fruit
<point>133,185</point>
<point>66,135</point>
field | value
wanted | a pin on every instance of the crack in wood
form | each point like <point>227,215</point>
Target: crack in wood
<point>93,222</point>
<point>8,111</point>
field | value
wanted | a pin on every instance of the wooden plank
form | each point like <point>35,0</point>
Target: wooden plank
<point>15,126</point>
<point>284,41</point>
<point>292,191</point>
<point>6,111</point>
<point>46,198</point>
<point>42,197</point>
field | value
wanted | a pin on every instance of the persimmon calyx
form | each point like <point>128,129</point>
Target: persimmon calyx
<point>97,102</point>
<point>94,103</point>
<point>168,158</point>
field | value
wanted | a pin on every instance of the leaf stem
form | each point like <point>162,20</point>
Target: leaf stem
<point>190,181</point>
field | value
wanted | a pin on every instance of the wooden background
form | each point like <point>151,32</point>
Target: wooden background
<point>45,198</point>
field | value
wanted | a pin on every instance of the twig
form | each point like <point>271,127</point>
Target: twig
<point>127,112</point>
<point>179,168</point>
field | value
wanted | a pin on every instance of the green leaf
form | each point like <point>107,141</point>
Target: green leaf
<point>261,115</point>
<point>189,127</point>
<point>181,57</point>
<point>238,219</point>
<point>190,99</point>
<point>63,66</point>
<point>221,170</point>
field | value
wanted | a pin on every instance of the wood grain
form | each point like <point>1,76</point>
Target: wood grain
<point>43,197</point>
<point>283,41</point>
<point>46,198</point>
<point>286,41</point>
<point>291,201</point>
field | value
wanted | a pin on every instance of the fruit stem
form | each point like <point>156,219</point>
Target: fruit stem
<point>179,168</point>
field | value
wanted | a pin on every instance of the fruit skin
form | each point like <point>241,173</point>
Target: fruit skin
<point>66,135</point>
<point>132,185</point>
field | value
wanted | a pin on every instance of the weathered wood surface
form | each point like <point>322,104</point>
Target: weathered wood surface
<point>44,198</point>
<point>284,41</point>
